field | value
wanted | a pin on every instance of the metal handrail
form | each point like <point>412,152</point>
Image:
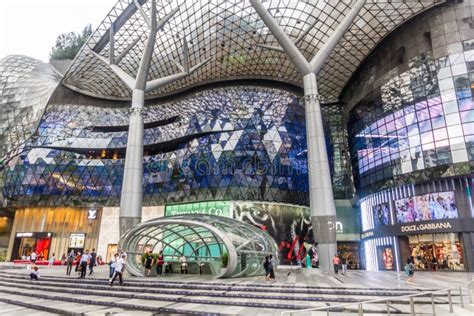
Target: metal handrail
<point>387,301</point>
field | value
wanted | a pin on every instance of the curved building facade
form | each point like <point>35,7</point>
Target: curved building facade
<point>226,112</point>
<point>410,116</point>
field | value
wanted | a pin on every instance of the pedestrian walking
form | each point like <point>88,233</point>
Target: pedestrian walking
<point>410,271</point>
<point>84,261</point>
<point>266,263</point>
<point>148,263</point>
<point>336,261</point>
<point>159,264</point>
<point>78,261</point>
<point>184,264</point>
<point>112,261</point>
<point>119,269</point>
<point>51,260</point>
<point>271,268</point>
<point>344,265</point>
<point>70,262</point>
<point>92,261</point>
<point>33,257</point>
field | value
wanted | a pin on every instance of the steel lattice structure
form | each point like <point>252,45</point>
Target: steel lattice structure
<point>236,41</point>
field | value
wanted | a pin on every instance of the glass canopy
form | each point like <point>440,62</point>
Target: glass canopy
<point>217,245</point>
<point>235,39</point>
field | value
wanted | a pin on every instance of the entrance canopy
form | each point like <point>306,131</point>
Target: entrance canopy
<point>222,246</point>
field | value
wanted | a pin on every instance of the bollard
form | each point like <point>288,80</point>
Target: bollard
<point>412,306</point>
<point>388,307</point>
<point>433,304</point>
<point>460,297</point>
<point>327,311</point>
<point>361,311</point>
<point>450,302</point>
<point>469,288</point>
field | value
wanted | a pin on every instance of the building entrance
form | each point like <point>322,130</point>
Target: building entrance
<point>437,252</point>
<point>26,243</point>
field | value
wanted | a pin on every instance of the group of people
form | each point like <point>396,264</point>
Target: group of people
<point>159,261</point>
<point>339,261</point>
<point>87,259</point>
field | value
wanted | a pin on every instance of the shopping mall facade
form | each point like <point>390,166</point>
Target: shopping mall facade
<point>230,138</point>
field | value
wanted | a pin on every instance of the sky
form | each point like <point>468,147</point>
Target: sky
<point>30,27</point>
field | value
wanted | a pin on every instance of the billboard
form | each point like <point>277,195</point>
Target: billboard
<point>289,225</point>
<point>381,214</point>
<point>431,206</point>
<point>385,256</point>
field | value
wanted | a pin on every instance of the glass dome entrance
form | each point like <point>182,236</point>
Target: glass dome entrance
<point>214,245</point>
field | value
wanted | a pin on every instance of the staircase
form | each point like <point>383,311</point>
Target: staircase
<point>69,296</point>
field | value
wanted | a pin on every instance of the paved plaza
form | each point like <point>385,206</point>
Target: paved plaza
<point>175,293</point>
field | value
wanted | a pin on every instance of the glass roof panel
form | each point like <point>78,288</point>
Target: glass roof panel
<point>229,33</point>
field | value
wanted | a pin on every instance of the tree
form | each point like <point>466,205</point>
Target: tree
<point>68,44</point>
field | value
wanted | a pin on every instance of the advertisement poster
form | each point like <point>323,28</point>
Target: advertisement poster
<point>290,226</point>
<point>431,206</point>
<point>77,240</point>
<point>386,257</point>
<point>381,214</point>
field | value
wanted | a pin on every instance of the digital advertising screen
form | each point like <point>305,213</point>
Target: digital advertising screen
<point>431,206</point>
<point>386,257</point>
<point>381,214</point>
<point>290,226</point>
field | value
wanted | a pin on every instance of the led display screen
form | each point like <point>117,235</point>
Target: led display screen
<point>426,207</point>
<point>381,214</point>
<point>385,256</point>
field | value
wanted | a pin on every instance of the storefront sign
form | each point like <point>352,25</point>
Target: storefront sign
<point>367,234</point>
<point>34,235</point>
<point>423,227</point>
<point>92,213</point>
<point>217,208</point>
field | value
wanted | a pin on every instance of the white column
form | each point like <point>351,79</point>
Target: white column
<point>323,209</point>
<point>132,185</point>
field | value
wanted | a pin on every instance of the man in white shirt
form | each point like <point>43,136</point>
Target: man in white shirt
<point>33,257</point>
<point>119,269</point>
<point>84,263</point>
<point>184,264</point>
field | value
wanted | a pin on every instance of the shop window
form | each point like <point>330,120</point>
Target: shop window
<point>437,252</point>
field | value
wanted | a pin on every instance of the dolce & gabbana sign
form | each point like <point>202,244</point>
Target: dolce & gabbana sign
<point>422,227</point>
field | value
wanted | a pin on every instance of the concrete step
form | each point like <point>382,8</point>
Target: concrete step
<point>90,302</point>
<point>189,287</point>
<point>150,296</point>
<point>119,293</point>
<point>175,294</point>
<point>229,285</point>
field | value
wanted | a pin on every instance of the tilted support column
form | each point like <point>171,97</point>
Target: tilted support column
<point>132,187</point>
<point>132,191</point>
<point>323,209</point>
